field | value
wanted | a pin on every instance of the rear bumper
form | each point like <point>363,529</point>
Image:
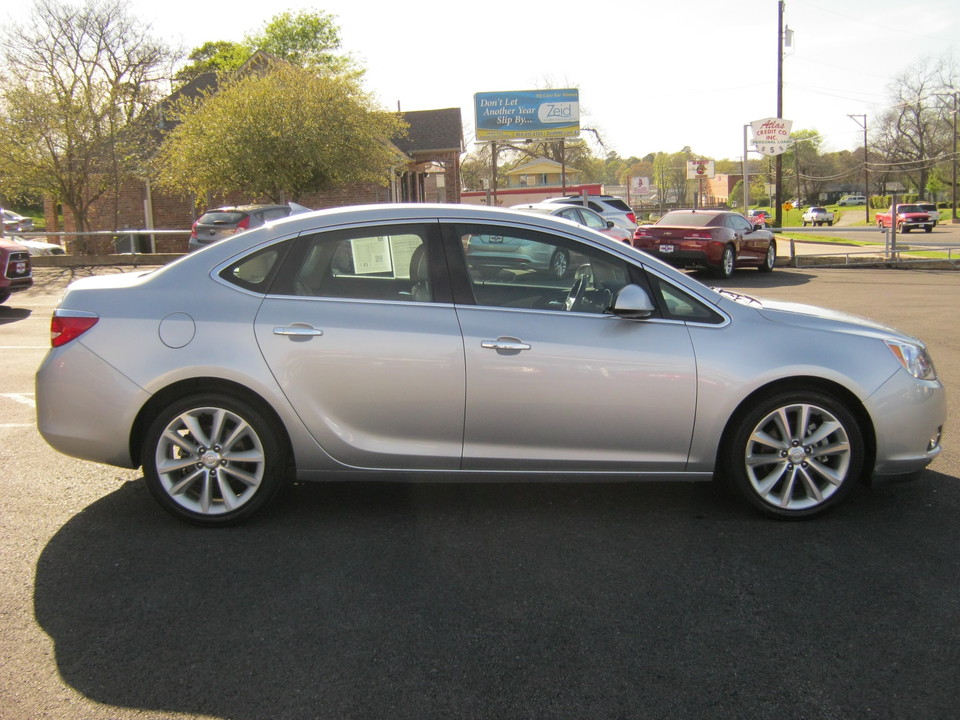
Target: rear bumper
<point>85,407</point>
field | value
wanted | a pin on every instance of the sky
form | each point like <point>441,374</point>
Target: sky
<point>652,76</point>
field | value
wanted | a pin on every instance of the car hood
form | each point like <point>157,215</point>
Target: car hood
<point>810,316</point>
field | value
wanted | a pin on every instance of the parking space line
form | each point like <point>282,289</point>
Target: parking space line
<point>22,398</point>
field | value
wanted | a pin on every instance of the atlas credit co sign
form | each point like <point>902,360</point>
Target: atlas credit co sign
<point>527,114</point>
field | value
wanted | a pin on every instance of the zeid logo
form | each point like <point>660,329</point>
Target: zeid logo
<point>562,112</point>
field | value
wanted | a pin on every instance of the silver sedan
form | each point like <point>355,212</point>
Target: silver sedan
<point>368,341</point>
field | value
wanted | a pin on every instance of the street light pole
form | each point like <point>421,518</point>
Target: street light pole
<point>866,175</point>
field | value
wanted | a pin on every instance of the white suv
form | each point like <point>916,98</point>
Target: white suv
<point>852,200</point>
<point>608,206</point>
<point>931,210</point>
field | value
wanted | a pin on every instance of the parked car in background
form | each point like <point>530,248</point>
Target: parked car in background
<point>931,210</point>
<point>909,217</point>
<point>760,217</point>
<point>223,222</point>
<point>581,215</point>
<point>714,240</point>
<point>608,206</point>
<point>16,270</point>
<point>798,203</point>
<point>816,215</point>
<point>15,222</point>
<point>848,200</point>
<point>281,363</point>
<point>41,247</point>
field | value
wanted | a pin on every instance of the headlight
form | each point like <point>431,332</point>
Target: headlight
<point>914,358</point>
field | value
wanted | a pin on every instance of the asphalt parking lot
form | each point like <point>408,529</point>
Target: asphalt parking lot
<point>381,600</point>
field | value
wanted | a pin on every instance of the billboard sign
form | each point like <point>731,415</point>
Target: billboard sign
<point>640,186</point>
<point>700,169</point>
<point>771,136</point>
<point>524,114</point>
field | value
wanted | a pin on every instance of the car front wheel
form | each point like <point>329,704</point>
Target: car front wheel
<point>795,455</point>
<point>211,459</point>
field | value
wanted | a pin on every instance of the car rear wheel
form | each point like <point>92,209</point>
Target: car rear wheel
<point>727,262</point>
<point>795,455</point>
<point>770,259</point>
<point>211,459</point>
<point>559,264</point>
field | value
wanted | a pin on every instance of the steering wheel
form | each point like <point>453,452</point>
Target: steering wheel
<point>582,278</point>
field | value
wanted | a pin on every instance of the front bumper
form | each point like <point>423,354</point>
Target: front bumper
<point>909,415</point>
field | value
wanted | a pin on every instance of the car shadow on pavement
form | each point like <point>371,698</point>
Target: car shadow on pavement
<point>527,600</point>
<point>13,314</point>
<point>781,277</point>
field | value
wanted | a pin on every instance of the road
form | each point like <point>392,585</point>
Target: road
<point>481,601</point>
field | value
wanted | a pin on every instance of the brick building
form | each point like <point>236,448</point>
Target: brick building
<point>432,148</point>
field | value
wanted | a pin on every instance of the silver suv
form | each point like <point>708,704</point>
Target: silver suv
<point>608,206</point>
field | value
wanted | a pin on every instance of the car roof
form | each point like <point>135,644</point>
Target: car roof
<point>246,208</point>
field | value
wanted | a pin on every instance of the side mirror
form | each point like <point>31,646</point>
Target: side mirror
<point>609,224</point>
<point>633,303</point>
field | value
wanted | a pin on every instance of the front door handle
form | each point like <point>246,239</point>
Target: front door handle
<point>505,345</point>
<point>298,331</point>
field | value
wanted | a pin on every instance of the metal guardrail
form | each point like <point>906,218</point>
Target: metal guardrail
<point>126,240</point>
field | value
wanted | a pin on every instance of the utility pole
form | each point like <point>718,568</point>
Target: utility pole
<point>866,171</point>
<point>956,111</point>
<point>778,163</point>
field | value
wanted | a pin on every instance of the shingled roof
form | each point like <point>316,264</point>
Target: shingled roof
<point>432,131</point>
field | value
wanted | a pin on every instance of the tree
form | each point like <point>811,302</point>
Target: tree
<point>221,56</point>
<point>289,130</point>
<point>912,134</point>
<point>76,80</point>
<point>307,39</point>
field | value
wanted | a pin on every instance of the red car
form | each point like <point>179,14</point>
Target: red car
<point>714,240</point>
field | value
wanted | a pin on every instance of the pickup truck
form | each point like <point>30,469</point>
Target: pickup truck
<point>816,215</point>
<point>909,217</point>
<point>16,272</point>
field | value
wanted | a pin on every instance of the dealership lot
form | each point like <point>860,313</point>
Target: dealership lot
<point>441,601</point>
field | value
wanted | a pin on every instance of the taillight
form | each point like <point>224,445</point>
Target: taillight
<point>67,325</point>
<point>640,233</point>
<point>193,228</point>
<point>242,225</point>
<point>632,218</point>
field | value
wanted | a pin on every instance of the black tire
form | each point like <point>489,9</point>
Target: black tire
<point>928,229</point>
<point>769,259</point>
<point>559,264</point>
<point>800,480</point>
<point>3,296</point>
<point>829,223</point>
<point>204,483</point>
<point>727,263</point>
<point>804,223</point>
